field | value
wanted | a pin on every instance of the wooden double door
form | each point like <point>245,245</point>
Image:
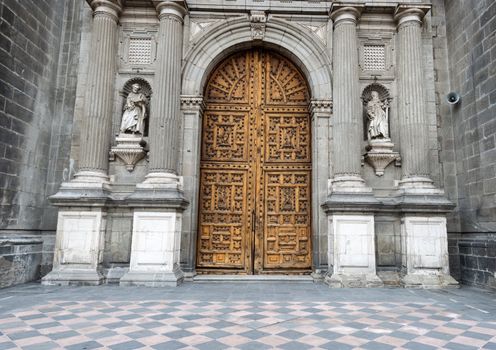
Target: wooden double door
<point>255,194</point>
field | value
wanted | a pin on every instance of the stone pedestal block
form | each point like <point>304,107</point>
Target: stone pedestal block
<point>155,249</point>
<point>78,247</point>
<point>425,252</point>
<point>352,251</point>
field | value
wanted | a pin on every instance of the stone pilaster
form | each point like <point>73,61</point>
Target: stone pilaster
<point>347,120</point>
<point>414,131</point>
<point>97,119</point>
<point>165,121</point>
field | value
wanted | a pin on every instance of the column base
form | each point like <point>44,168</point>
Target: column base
<point>73,277</point>
<point>161,180</point>
<point>353,281</point>
<point>86,187</point>
<point>349,184</point>
<point>153,279</point>
<point>426,281</point>
<point>418,185</point>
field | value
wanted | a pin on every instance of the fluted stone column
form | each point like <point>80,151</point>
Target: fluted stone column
<point>159,200</point>
<point>347,119</point>
<point>165,121</point>
<point>424,245</point>
<point>82,213</point>
<point>350,219</point>
<point>97,119</point>
<point>414,131</point>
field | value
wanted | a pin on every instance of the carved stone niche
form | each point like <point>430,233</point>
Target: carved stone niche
<point>130,145</point>
<point>376,102</point>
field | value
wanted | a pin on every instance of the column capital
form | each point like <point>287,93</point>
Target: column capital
<point>111,8</point>
<point>343,12</point>
<point>175,8</point>
<point>410,13</point>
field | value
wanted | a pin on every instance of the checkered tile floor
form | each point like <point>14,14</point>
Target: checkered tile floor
<point>253,325</point>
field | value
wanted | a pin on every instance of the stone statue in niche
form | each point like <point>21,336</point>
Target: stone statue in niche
<point>380,151</point>
<point>130,143</point>
<point>377,112</point>
<point>133,118</point>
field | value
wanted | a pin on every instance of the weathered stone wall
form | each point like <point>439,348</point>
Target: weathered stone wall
<point>36,82</point>
<point>465,52</point>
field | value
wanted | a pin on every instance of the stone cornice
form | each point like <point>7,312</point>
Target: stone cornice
<point>171,8</point>
<point>111,8</point>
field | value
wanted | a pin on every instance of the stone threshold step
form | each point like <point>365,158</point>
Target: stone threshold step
<point>254,278</point>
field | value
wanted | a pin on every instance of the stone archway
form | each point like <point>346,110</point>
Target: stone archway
<point>311,57</point>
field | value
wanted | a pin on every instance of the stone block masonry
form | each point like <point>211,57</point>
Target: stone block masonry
<point>469,135</point>
<point>31,62</point>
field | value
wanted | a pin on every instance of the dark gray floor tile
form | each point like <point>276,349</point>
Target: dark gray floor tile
<point>129,345</point>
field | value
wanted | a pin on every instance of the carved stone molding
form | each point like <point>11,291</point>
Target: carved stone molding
<point>258,20</point>
<point>129,149</point>
<point>192,103</point>
<point>320,106</point>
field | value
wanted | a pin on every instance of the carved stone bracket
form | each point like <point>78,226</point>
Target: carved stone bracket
<point>380,154</point>
<point>129,149</point>
<point>258,20</point>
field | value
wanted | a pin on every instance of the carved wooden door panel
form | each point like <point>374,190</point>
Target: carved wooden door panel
<point>254,211</point>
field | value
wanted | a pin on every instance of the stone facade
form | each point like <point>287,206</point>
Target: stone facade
<point>381,211</point>
<point>466,49</point>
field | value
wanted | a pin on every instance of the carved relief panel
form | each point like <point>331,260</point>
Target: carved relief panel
<point>376,57</point>
<point>138,48</point>
<point>255,168</point>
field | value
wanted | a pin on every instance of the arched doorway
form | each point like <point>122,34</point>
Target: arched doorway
<point>255,190</point>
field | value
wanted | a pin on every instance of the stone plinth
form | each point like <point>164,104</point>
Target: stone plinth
<point>156,245</point>
<point>425,252</point>
<point>78,247</point>
<point>352,251</point>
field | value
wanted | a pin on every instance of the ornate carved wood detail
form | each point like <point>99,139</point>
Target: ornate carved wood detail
<point>255,167</point>
<point>286,85</point>
<point>224,136</point>
<point>287,223</point>
<point>288,138</point>
<point>229,82</point>
<point>223,217</point>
